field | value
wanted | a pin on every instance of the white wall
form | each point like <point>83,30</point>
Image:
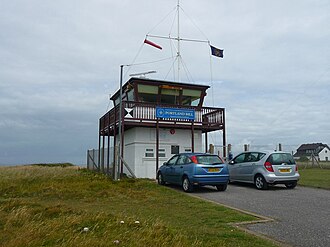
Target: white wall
<point>138,140</point>
<point>324,155</point>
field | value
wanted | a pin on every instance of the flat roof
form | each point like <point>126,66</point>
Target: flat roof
<point>147,81</point>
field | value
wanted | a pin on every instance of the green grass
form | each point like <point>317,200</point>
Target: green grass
<point>51,205</point>
<point>315,177</point>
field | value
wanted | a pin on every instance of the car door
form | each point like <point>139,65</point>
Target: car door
<point>169,169</point>
<point>178,169</point>
<point>247,167</point>
<point>234,166</point>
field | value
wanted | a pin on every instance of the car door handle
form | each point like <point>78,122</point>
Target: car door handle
<point>181,166</point>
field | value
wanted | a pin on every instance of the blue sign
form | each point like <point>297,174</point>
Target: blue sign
<point>177,113</point>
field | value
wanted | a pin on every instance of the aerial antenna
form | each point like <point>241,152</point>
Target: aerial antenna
<point>143,74</point>
<point>178,53</point>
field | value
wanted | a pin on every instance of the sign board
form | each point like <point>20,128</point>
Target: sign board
<point>177,113</point>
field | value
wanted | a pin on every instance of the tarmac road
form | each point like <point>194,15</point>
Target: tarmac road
<point>301,215</point>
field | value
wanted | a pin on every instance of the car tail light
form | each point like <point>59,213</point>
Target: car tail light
<point>194,159</point>
<point>296,168</point>
<point>268,166</point>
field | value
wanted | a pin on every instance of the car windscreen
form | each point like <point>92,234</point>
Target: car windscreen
<point>280,158</point>
<point>208,159</point>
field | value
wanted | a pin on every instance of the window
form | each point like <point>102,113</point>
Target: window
<point>208,159</point>
<point>182,160</point>
<point>170,96</point>
<point>147,93</point>
<point>161,152</point>
<point>174,149</point>
<point>149,153</point>
<point>279,159</point>
<point>173,160</point>
<point>191,97</point>
<point>240,158</point>
<point>130,95</point>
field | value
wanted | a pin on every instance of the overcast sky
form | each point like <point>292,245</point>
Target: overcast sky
<point>59,61</point>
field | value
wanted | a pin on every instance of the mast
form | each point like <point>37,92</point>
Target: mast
<point>178,53</point>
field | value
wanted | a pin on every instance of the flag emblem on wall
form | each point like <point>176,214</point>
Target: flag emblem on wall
<point>216,51</point>
<point>128,113</point>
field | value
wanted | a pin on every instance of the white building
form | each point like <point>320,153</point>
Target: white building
<point>159,119</point>
<point>324,154</point>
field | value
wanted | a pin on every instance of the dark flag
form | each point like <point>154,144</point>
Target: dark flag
<point>216,51</point>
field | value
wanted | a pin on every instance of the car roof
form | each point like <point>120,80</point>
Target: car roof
<point>265,151</point>
<point>197,154</point>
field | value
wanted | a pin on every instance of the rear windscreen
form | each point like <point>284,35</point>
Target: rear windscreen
<point>280,158</point>
<point>208,159</point>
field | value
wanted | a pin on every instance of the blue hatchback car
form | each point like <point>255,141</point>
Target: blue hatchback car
<point>194,169</point>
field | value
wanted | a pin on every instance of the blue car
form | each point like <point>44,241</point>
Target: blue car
<point>194,169</point>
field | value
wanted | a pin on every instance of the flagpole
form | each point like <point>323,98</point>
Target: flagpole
<point>178,53</point>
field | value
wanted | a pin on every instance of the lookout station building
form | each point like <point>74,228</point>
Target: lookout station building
<point>158,119</point>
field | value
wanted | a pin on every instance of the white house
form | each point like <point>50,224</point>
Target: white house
<point>324,154</point>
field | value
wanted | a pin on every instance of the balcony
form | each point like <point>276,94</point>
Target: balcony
<point>143,114</point>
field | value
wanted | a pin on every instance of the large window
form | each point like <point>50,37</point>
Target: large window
<point>191,97</point>
<point>170,96</point>
<point>147,93</point>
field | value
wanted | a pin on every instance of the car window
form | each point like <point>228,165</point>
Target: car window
<point>172,160</point>
<point>254,156</point>
<point>182,160</point>
<point>208,159</point>
<point>261,155</point>
<point>240,158</point>
<point>280,158</point>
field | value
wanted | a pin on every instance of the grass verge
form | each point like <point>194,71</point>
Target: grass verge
<point>66,206</point>
<point>315,177</point>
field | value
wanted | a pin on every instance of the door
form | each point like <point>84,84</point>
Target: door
<point>169,169</point>
<point>248,166</point>
<point>179,168</point>
<point>235,165</point>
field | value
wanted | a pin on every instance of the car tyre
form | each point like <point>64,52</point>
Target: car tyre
<point>291,185</point>
<point>260,183</point>
<point>221,187</point>
<point>186,185</point>
<point>160,179</point>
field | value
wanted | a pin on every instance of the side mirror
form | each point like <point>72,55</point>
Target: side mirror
<point>231,162</point>
<point>165,164</point>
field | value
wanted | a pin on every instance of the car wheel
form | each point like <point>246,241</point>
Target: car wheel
<point>221,187</point>
<point>160,179</point>
<point>260,183</point>
<point>186,185</point>
<point>291,185</point>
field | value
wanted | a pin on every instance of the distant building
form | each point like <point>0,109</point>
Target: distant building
<point>319,150</point>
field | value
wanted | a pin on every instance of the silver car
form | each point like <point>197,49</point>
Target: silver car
<point>264,168</point>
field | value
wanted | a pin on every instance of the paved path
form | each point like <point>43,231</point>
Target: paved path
<point>302,215</point>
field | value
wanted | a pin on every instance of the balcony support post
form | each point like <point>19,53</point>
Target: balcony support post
<point>224,136</point>
<point>157,145</point>
<point>206,142</point>
<point>192,137</point>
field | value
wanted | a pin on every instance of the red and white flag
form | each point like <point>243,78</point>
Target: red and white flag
<point>152,44</point>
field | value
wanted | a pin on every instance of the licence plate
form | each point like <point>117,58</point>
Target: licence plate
<point>214,169</point>
<point>284,170</point>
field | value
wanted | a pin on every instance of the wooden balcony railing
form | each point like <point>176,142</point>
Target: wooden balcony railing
<point>144,114</point>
